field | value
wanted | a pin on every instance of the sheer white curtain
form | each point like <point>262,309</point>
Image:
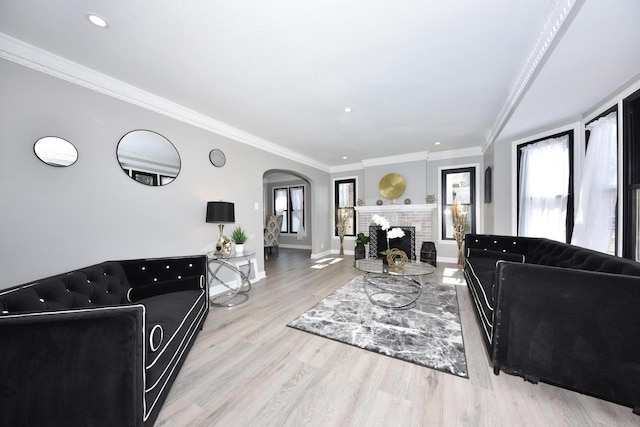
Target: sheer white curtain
<point>281,206</point>
<point>297,205</point>
<point>345,193</point>
<point>544,187</point>
<point>595,219</point>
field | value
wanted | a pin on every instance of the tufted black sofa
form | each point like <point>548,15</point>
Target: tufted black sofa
<point>99,346</point>
<point>558,313</point>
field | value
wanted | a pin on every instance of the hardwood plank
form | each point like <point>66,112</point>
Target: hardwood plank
<point>247,368</point>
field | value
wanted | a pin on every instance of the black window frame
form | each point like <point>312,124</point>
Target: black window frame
<point>287,222</point>
<point>336,205</point>
<point>630,172</point>
<point>570,197</point>
<point>472,198</point>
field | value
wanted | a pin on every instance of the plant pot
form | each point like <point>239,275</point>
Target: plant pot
<point>359,251</point>
<point>239,248</point>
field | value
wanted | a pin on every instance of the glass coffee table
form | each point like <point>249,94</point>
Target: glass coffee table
<point>397,288</point>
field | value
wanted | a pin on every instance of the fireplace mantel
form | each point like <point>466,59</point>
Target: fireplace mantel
<point>395,208</point>
<point>418,216</point>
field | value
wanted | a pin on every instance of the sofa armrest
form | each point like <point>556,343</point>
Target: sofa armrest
<point>73,367</point>
<point>570,327</point>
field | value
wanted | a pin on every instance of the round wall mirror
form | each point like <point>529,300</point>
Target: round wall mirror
<point>55,151</point>
<point>148,158</point>
<point>217,158</point>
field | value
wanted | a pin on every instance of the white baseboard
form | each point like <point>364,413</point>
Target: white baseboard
<point>290,246</point>
<point>320,254</point>
<point>346,251</point>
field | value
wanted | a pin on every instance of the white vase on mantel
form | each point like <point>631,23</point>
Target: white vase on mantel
<point>239,248</point>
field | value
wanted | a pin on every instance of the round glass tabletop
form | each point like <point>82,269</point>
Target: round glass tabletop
<point>413,268</point>
<point>232,255</point>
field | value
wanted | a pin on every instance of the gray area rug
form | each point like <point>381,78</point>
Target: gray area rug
<point>429,334</point>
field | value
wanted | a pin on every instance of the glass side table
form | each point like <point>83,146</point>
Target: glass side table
<point>397,288</point>
<point>237,290</point>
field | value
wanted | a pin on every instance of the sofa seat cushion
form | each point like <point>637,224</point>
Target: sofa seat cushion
<point>171,321</point>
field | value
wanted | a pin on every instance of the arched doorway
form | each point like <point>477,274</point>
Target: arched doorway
<point>288,193</point>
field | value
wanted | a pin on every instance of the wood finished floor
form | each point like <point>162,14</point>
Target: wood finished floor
<point>248,369</point>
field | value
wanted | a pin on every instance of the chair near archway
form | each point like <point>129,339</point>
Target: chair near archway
<point>272,228</point>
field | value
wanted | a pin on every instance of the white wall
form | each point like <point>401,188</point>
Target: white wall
<point>414,174</point>
<point>58,219</point>
<point>368,189</point>
<point>422,179</point>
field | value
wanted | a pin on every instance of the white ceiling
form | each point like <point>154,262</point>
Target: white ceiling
<point>414,72</point>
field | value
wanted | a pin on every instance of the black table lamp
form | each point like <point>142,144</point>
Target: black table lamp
<point>221,212</point>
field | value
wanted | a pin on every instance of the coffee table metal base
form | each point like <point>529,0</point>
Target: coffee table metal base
<point>392,291</point>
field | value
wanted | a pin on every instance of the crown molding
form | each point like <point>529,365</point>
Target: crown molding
<point>455,154</point>
<point>346,168</point>
<point>400,158</point>
<point>30,56</point>
<point>558,17</point>
<point>410,157</point>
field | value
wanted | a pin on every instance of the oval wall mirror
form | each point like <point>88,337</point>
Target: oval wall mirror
<point>55,151</point>
<point>217,158</point>
<point>148,158</point>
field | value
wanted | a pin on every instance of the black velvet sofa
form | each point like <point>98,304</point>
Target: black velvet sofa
<point>99,346</point>
<point>558,313</point>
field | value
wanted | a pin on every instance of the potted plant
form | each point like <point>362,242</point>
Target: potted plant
<point>239,237</point>
<point>361,240</point>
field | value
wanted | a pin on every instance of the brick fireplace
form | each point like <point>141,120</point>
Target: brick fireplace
<point>419,216</point>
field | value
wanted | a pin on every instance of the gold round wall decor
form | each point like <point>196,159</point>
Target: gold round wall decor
<point>392,186</point>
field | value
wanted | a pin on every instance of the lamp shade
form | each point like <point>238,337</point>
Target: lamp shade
<point>220,212</point>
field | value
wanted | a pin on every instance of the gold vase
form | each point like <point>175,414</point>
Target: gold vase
<point>460,242</point>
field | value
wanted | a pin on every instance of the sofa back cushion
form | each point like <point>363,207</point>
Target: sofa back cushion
<point>557,254</point>
<point>99,285</point>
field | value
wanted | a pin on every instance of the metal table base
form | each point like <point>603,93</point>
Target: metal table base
<point>235,295</point>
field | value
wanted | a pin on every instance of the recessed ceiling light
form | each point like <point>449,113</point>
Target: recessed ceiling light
<point>437,142</point>
<point>97,20</point>
<point>347,109</point>
<point>344,157</point>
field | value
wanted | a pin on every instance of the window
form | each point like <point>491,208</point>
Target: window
<point>630,183</point>
<point>345,200</point>
<point>545,187</point>
<point>281,206</point>
<point>458,185</point>
<point>595,221</point>
<point>296,195</point>
<point>289,202</point>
